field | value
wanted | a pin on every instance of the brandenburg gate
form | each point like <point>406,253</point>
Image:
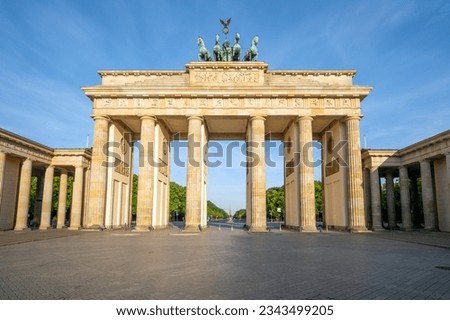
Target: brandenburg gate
<point>230,100</point>
<point>221,97</point>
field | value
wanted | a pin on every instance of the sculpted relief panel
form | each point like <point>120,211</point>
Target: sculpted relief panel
<point>247,77</point>
<point>219,103</point>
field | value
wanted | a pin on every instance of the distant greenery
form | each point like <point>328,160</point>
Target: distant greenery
<point>177,201</point>
<point>240,214</point>
<point>318,196</point>
<point>275,200</point>
<point>55,195</point>
<point>134,195</point>
<point>215,212</point>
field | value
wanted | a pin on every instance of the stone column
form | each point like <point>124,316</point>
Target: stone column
<point>62,200</point>
<point>24,195</point>
<point>146,174</point>
<point>194,179</point>
<point>356,215</point>
<point>429,211</point>
<point>447,157</point>
<point>306,170</point>
<point>375,199</point>
<point>405,199</point>
<point>97,191</point>
<point>258,175</point>
<point>36,214</point>
<point>77,199</point>
<point>46,212</point>
<point>390,198</point>
<point>367,196</point>
<point>2,173</point>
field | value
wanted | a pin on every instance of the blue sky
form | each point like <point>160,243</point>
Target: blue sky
<point>49,49</point>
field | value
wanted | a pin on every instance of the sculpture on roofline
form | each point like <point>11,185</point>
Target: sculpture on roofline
<point>226,52</point>
<point>252,53</point>
<point>237,48</point>
<point>203,53</point>
<point>217,50</point>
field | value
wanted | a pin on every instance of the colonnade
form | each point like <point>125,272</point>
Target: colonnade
<point>431,211</point>
<point>196,175</point>
<point>45,195</point>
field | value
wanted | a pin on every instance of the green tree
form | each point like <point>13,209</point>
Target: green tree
<point>134,195</point>
<point>275,200</point>
<point>318,194</point>
<point>216,212</point>
<point>55,193</point>
<point>177,199</point>
<point>240,214</point>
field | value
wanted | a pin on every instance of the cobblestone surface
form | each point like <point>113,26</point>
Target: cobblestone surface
<point>225,264</point>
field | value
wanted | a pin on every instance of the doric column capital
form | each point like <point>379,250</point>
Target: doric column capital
<point>151,117</point>
<point>263,118</point>
<point>100,117</point>
<point>194,117</point>
<point>299,118</point>
<point>353,117</point>
<point>426,161</point>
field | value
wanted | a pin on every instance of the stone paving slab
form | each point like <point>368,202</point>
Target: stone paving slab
<point>15,237</point>
<point>436,239</point>
<point>168,264</point>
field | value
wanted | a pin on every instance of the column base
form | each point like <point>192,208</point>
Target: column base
<point>377,229</point>
<point>359,229</point>
<point>21,229</point>
<point>160,227</point>
<point>191,228</point>
<point>258,229</point>
<point>307,229</point>
<point>406,229</point>
<point>142,229</point>
<point>95,227</point>
<point>74,228</point>
<point>45,228</point>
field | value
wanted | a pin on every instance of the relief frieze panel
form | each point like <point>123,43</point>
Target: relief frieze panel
<point>218,103</point>
<point>225,77</point>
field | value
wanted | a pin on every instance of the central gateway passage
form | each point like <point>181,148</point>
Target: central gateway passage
<point>229,101</point>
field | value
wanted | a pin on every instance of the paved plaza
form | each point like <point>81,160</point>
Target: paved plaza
<point>223,264</point>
